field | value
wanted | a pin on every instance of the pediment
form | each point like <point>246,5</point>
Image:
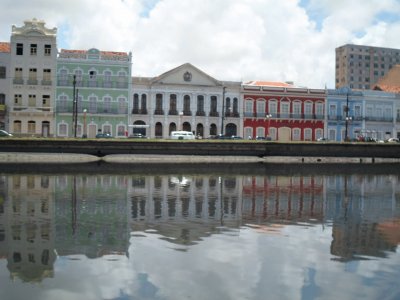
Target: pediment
<point>186,74</point>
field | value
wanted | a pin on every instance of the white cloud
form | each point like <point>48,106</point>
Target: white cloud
<point>228,39</point>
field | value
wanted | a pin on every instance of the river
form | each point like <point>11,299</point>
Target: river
<point>101,231</point>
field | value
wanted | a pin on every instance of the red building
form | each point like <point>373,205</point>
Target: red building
<point>282,111</point>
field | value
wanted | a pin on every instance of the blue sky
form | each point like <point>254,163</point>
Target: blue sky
<point>287,40</point>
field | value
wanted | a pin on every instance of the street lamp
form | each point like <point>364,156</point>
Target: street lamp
<point>346,109</point>
<point>84,124</point>
<point>268,119</point>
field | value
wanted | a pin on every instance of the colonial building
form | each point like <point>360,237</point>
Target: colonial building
<point>185,98</point>
<point>32,69</point>
<point>355,114</point>
<point>4,83</point>
<point>93,89</point>
<point>282,111</point>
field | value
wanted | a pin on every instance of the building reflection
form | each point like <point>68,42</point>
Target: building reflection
<point>43,216</point>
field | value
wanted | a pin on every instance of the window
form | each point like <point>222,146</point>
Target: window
<point>17,126</point>
<point>260,108</point>
<point>200,103</point>
<point>62,129</point>
<point>107,79</point>
<point>2,72</point>
<point>107,128</point>
<point>32,76</point>
<point>32,100</point>
<point>308,106</point>
<point>20,49</point>
<point>2,99</point>
<point>307,134</point>
<point>285,108</point>
<point>296,134</point>
<point>213,107</point>
<point>92,104</point>
<point>319,133</point>
<point>18,73</point>
<point>186,104</point>
<point>248,106</point>
<point>31,126</point>
<point>18,100</point>
<point>107,104</point>
<point>122,105</point>
<point>33,49</point>
<point>357,111</point>
<point>297,108</point>
<point>319,109</point>
<point>46,100</point>
<point>260,131</point>
<point>47,50</point>
<point>47,74</point>
<point>272,107</point>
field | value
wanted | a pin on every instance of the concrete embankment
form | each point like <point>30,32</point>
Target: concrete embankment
<point>71,158</point>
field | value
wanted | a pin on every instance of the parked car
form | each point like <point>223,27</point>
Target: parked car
<point>137,136</point>
<point>103,135</point>
<point>322,139</point>
<point>392,140</point>
<point>4,133</point>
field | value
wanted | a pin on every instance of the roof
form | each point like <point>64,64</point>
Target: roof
<point>390,82</point>
<point>269,83</point>
<point>102,53</point>
<point>5,47</point>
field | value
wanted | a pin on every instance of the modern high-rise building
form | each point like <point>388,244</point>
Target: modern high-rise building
<point>360,67</point>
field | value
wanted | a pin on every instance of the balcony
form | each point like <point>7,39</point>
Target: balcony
<point>172,112</point>
<point>214,114</point>
<point>32,82</point>
<point>18,81</point>
<point>46,82</point>
<point>187,113</point>
<point>159,112</point>
<point>200,113</point>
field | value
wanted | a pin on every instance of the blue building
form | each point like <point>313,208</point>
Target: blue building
<point>353,114</point>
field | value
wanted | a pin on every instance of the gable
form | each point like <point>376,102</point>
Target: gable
<point>186,74</point>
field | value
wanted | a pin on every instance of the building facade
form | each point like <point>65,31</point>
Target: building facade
<point>355,115</point>
<point>282,111</point>
<point>32,87</point>
<point>93,89</point>
<point>360,67</point>
<point>185,98</point>
<point>4,83</point>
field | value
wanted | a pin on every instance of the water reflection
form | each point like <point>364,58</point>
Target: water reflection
<point>44,217</point>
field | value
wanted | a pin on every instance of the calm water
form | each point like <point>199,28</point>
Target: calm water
<point>228,232</point>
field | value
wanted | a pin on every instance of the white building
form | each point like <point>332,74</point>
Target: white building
<point>4,82</point>
<point>185,98</point>
<point>32,73</point>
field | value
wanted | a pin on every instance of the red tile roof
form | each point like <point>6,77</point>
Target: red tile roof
<point>5,47</point>
<point>102,53</point>
<point>390,82</point>
<point>269,83</point>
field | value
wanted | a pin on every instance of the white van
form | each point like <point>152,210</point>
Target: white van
<point>182,135</point>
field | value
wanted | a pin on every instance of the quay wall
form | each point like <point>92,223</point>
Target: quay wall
<point>197,151</point>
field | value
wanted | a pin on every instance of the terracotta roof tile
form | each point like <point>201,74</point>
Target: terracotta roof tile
<point>5,47</point>
<point>269,83</point>
<point>103,53</point>
<point>390,82</point>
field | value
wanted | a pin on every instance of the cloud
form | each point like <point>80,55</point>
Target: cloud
<point>228,39</point>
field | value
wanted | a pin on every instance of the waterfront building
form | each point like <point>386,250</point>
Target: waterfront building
<point>345,115</point>
<point>185,98</point>
<point>93,89</point>
<point>4,82</point>
<point>282,111</point>
<point>32,86</point>
<point>356,114</point>
<point>360,67</point>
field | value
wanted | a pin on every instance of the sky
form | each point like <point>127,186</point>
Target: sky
<point>233,40</point>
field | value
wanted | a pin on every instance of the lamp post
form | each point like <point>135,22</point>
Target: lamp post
<point>84,124</point>
<point>346,109</point>
<point>268,119</point>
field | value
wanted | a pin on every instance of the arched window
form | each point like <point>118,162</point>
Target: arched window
<point>31,127</point>
<point>200,106</point>
<point>307,134</point>
<point>159,105</point>
<point>143,104</point>
<point>172,105</point>
<point>296,134</point>
<point>135,109</point>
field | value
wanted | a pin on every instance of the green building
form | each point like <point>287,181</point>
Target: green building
<point>92,94</point>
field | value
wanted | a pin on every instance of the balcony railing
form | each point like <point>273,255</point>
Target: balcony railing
<point>18,81</point>
<point>32,82</point>
<point>100,82</point>
<point>159,112</point>
<point>214,114</point>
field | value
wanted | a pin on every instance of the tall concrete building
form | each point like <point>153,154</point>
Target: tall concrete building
<point>360,67</point>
